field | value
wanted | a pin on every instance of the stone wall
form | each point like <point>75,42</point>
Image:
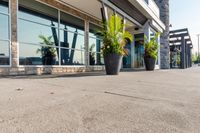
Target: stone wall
<point>46,70</point>
<point>164,39</point>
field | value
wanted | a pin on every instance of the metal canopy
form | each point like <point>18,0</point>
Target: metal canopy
<point>180,40</point>
<point>176,36</point>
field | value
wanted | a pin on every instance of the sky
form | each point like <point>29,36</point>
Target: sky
<point>186,14</point>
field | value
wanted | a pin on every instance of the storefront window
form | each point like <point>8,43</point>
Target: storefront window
<point>4,6</point>
<point>4,33</point>
<point>72,40</point>
<point>46,40</point>
<point>95,44</point>
<point>38,55</point>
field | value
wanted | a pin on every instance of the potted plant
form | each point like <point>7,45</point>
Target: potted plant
<point>151,52</point>
<point>48,53</point>
<point>114,40</point>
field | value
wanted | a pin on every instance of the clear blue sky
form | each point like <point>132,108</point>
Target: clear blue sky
<point>186,14</point>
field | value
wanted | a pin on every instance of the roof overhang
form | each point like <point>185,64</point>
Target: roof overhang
<point>89,7</point>
<point>149,13</point>
<point>136,11</point>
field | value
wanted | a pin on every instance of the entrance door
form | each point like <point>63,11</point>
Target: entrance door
<point>127,58</point>
<point>139,51</point>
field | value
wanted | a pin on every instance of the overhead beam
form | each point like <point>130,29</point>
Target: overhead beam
<point>179,35</point>
<point>180,30</point>
<point>177,41</point>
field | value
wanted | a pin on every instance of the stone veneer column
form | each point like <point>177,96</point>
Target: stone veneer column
<point>164,38</point>
<point>14,43</point>
<point>87,43</point>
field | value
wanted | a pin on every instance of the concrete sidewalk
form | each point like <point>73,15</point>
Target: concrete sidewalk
<point>165,101</point>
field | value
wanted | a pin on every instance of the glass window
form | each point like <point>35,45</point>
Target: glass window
<point>39,23</point>
<point>4,33</point>
<point>4,28</point>
<point>38,55</point>
<point>37,12</point>
<point>32,31</point>
<point>95,44</point>
<point>72,57</point>
<point>36,19</point>
<point>71,40</point>
<point>71,23</point>
<point>38,34</point>
<point>4,53</point>
<point>4,6</point>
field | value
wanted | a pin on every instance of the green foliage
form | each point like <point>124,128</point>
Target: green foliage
<point>196,58</point>
<point>114,36</point>
<point>151,47</point>
<point>44,49</point>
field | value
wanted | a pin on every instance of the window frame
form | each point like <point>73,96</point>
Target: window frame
<point>59,44</point>
<point>9,34</point>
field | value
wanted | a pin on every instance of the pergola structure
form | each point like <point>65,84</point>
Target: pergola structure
<point>180,43</point>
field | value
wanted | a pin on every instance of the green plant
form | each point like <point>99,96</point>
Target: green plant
<point>195,58</point>
<point>151,46</point>
<point>44,50</point>
<point>114,36</point>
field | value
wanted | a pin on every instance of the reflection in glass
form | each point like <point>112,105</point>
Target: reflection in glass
<point>95,51</point>
<point>71,23</point>
<point>4,53</point>
<point>95,44</point>
<point>4,28</point>
<point>37,55</point>
<point>34,31</point>
<point>37,12</point>
<point>36,19</point>
<point>127,58</point>
<point>139,51</point>
<point>4,6</point>
<point>96,58</point>
<point>72,57</point>
<point>71,40</point>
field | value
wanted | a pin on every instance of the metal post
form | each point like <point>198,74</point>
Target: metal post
<point>198,51</point>
<point>182,52</point>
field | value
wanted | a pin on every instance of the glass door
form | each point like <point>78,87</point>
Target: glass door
<point>139,51</point>
<point>127,58</point>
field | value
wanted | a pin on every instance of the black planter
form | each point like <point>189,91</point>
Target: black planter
<point>149,63</point>
<point>113,63</point>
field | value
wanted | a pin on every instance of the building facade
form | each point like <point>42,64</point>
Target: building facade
<point>56,36</point>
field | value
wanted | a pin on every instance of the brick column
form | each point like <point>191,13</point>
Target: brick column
<point>164,38</point>
<point>86,43</point>
<point>14,44</point>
